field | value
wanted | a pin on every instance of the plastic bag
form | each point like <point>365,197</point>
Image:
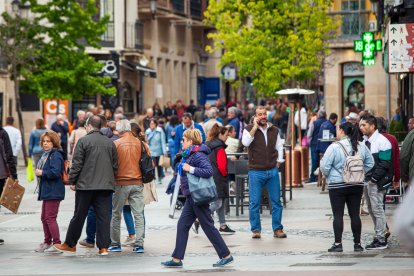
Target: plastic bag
<point>30,176</point>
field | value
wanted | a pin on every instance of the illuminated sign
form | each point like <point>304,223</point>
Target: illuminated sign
<point>368,46</point>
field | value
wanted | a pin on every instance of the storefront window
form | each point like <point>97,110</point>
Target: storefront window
<point>353,86</point>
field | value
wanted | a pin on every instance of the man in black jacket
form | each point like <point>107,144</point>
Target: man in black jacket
<point>378,179</point>
<point>92,175</point>
<point>7,164</point>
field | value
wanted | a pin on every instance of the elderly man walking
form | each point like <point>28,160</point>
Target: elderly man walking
<point>129,187</point>
<point>265,150</point>
<point>92,175</point>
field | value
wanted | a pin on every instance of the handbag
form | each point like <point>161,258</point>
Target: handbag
<point>30,170</point>
<point>65,174</point>
<point>164,161</point>
<point>146,165</point>
<point>202,190</point>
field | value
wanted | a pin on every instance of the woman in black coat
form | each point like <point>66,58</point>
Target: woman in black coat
<point>218,158</point>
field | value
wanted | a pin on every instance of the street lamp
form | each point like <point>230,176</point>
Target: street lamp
<point>153,8</point>
<point>15,6</point>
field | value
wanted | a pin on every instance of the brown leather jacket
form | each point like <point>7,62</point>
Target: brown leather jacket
<point>129,154</point>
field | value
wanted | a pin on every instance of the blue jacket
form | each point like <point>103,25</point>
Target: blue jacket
<point>156,141</point>
<point>316,130</point>
<point>235,122</point>
<point>34,141</point>
<point>322,146</point>
<point>179,130</point>
<point>51,185</point>
<point>333,161</point>
<point>170,140</point>
<point>63,130</point>
<point>202,167</point>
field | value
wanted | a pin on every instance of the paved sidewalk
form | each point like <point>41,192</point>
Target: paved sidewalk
<point>307,221</point>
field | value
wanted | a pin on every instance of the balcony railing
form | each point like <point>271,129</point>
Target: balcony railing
<point>185,8</point>
<point>135,36</point>
<point>353,23</point>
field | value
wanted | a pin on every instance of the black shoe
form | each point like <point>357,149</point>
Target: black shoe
<point>1,241</point>
<point>358,247</point>
<point>226,230</point>
<point>376,244</point>
<point>387,235</point>
<point>196,226</point>
<point>336,248</point>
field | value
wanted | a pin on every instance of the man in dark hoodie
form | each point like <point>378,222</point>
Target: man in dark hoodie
<point>7,164</point>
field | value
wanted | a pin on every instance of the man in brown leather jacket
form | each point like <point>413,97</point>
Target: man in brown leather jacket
<point>128,186</point>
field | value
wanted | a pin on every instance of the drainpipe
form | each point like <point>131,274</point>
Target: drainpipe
<point>387,97</point>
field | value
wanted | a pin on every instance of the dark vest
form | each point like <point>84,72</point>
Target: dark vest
<point>222,182</point>
<point>262,156</point>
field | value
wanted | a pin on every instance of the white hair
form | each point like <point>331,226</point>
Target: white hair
<point>80,112</point>
<point>212,113</point>
<point>123,126</point>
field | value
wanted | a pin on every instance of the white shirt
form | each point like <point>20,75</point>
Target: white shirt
<point>303,119</point>
<point>15,139</point>
<point>247,139</point>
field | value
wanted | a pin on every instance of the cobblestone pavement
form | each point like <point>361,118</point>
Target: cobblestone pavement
<point>307,221</point>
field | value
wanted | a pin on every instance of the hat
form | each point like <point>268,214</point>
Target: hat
<point>352,116</point>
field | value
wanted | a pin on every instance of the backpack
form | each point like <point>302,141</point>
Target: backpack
<point>353,172</point>
<point>146,165</point>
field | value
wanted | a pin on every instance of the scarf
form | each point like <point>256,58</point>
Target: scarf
<point>42,162</point>
<point>185,154</point>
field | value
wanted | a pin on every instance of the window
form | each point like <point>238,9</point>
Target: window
<point>29,102</point>
<point>353,85</point>
<point>354,17</point>
<point>106,7</point>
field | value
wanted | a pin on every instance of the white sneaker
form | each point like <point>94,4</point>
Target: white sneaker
<point>52,250</point>
<point>42,247</point>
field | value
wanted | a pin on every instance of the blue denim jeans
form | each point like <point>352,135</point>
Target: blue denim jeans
<point>315,163</point>
<point>129,220</point>
<point>257,180</point>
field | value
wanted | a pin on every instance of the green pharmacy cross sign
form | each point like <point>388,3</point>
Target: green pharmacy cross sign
<point>368,46</point>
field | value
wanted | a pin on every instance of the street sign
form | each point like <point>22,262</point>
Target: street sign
<point>400,45</point>
<point>50,109</point>
<point>368,46</point>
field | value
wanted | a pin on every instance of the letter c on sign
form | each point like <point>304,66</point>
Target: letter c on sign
<point>51,107</point>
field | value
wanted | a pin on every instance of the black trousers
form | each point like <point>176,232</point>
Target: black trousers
<point>100,202</point>
<point>351,196</point>
<point>2,182</point>
<point>188,216</point>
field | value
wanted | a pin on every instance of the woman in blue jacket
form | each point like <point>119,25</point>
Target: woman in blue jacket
<point>49,171</point>
<point>35,148</point>
<point>157,144</point>
<point>341,193</point>
<point>194,160</point>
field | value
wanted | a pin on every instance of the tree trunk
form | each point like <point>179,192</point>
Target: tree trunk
<point>19,115</point>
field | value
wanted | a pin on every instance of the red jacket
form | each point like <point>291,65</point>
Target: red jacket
<point>395,155</point>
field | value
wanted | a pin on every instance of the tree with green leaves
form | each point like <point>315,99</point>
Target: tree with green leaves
<point>276,43</point>
<point>66,71</point>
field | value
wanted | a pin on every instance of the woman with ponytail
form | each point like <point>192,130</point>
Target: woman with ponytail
<point>341,192</point>
<point>216,140</point>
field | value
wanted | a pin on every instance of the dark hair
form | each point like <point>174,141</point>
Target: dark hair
<point>352,131</point>
<point>370,119</point>
<point>215,131</point>
<point>381,124</point>
<point>40,123</point>
<point>187,115</point>
<point>103,120</point>
<point>174,120</point>
<point>230,128</point>
<point>155,121</point>
<point>94,121</point>
<point>9,120</point>
<point>137,132</point>
<point>81,123</point>
<point>333,116</point>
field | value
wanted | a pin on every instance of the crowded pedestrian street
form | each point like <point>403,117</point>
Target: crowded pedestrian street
<point>308,220</point>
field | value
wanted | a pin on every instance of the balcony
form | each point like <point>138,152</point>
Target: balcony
<point>135,36</point>
<point>353,24</point>
<point>174,9</point>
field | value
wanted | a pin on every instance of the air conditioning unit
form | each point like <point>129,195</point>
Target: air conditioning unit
<point>372,26</point>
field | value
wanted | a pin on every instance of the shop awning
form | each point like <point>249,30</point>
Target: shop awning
<point>144,70</point>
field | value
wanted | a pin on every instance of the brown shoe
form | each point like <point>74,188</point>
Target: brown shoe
<point>256,235</point>
<point>103,251</point>
<point>279,234</point>
<point>65,248</point>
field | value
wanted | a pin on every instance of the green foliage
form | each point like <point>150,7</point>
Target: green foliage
<point>65,70</point>
<point>274,42</point>
<point>397,129</point>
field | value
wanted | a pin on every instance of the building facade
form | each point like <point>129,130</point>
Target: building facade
<point>347,81</point>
